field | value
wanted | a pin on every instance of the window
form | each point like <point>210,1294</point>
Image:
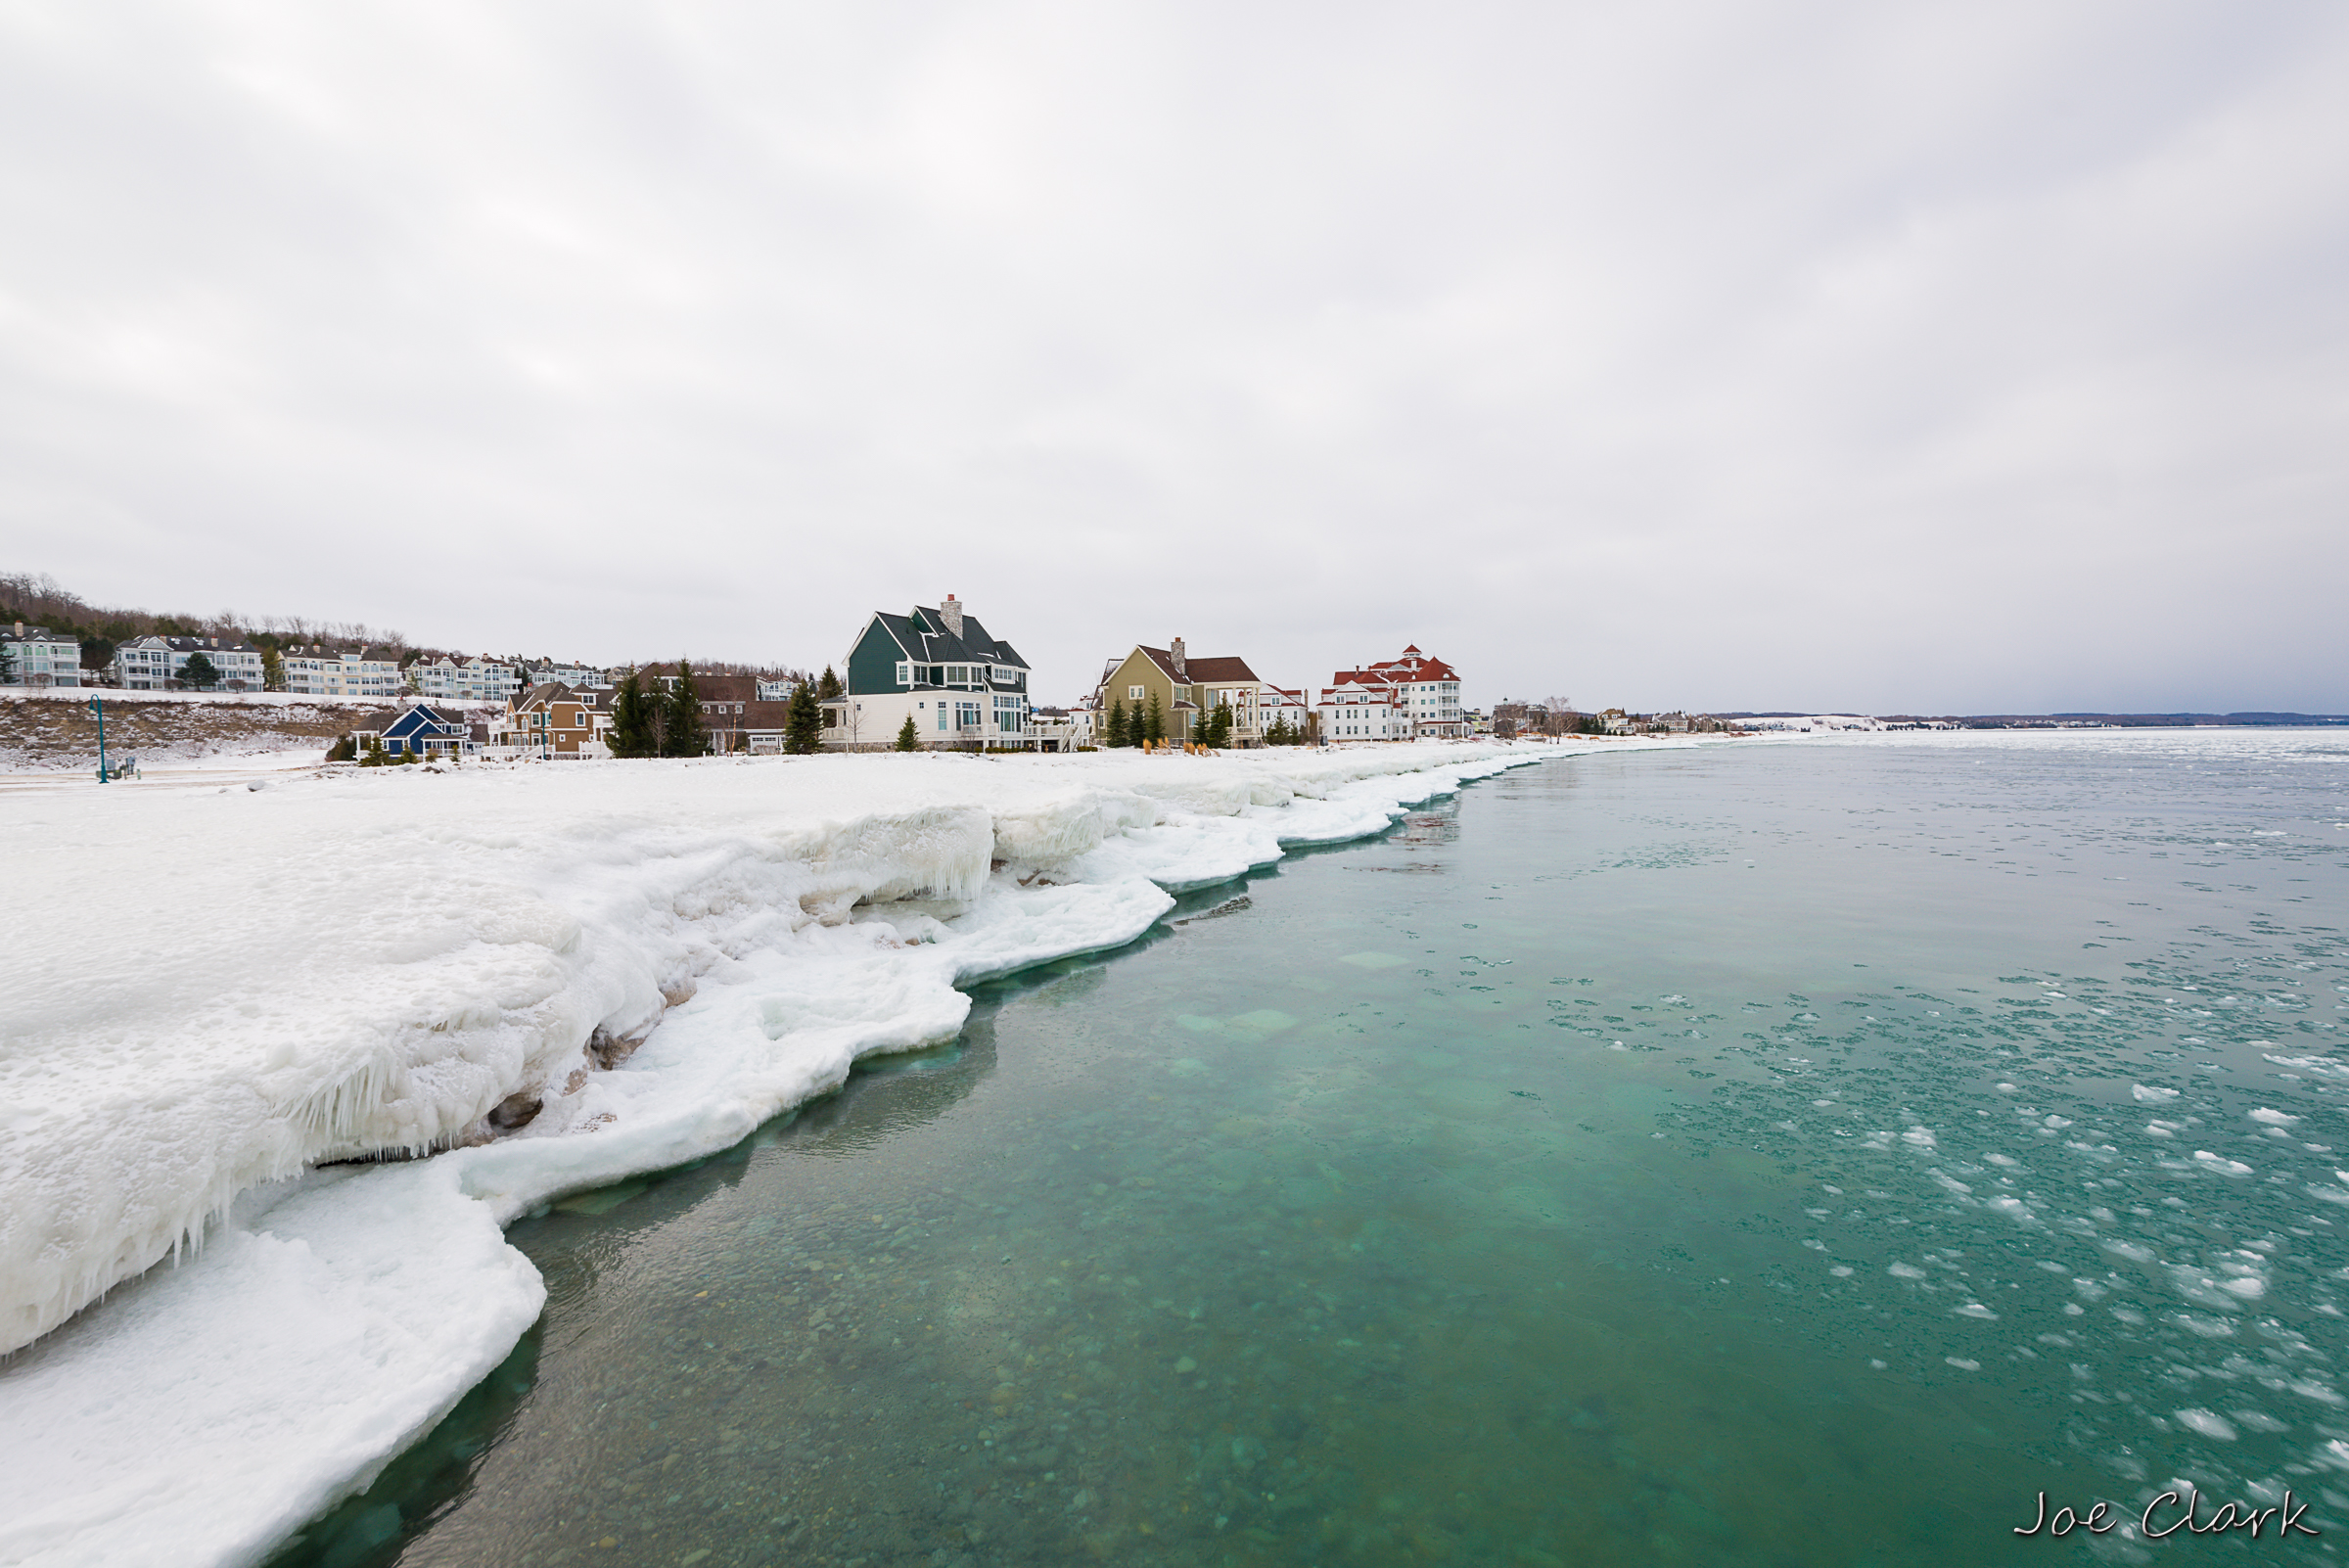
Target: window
<point>1133,693</point>
<point>905,673</point>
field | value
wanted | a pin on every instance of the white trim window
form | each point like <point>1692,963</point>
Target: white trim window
<point>905,672</point>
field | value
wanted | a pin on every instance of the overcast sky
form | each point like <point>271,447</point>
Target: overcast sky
<point>1974,357</point>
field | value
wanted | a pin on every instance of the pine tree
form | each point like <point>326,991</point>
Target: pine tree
<point>273,668</point>
<point>684,735</point>
<point>908,738</point>
<point>1154,722</point>
<point>1115,734</point>
<point>1219,729</point>
<point>828,687</point>
<point>346,750</point>
<point>374,755</point>
<point>803,729</point>
<point>199,672</point>
<point>631,732</point>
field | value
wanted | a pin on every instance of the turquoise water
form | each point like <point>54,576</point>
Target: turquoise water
<point>1774,1155</point>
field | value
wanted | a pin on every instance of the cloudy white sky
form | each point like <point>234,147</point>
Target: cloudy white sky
<point>1961,357</point>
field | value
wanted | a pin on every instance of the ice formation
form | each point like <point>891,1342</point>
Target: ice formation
<point>556,977</point>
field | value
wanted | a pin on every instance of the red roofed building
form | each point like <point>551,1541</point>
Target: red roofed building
<point>1414,696</point>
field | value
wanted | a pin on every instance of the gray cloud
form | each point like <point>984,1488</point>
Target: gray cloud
<point>1942,358</point>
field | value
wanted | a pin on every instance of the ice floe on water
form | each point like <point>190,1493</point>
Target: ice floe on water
<point>545,980</point>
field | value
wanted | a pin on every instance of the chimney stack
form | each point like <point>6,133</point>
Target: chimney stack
<point>1181,672</point>
<point>951,613</point>
<point>20,629</point>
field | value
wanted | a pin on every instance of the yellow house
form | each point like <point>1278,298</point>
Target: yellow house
<point>1186,691</point>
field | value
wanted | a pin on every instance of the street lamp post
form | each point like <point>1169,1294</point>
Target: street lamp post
<point>98,707</point>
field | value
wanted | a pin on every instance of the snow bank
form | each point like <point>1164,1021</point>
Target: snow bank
<point>223,990</point>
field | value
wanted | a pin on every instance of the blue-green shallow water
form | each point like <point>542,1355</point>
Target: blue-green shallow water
<point>1776,1155</point>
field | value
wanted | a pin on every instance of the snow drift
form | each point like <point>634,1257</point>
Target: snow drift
<point>548,979</point>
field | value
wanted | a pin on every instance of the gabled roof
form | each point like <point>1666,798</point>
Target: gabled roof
<point>544,693</point>
<point>422,715</point>
<point>924,639</point>
<point>189,645</point>
<point>1211,671</point>
<point>1195,672</point>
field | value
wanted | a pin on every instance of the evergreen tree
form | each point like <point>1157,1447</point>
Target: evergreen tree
<point>631,733</point>
<point>273,668</point>
<point>683,736</point>
<point>1219,729</point>
<point>374,756</point>
<point>199,672</point>
<point>1154,722</point>
<point>345,750</point>
<point>909,739</point>
<point>1115,735</point>
<point>803,729</point>
<point>828,687</point>
<point>8,664</point>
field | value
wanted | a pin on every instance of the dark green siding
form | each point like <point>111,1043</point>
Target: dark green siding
<point>873,664</point>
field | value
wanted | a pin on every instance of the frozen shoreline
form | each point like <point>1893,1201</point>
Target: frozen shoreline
<point>344,965</point>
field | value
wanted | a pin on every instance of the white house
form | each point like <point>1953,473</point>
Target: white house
<point>371,675</point>
<point>464,681</point>
<point>939,666</point>
<point>1282,706</point>
<point>1410,697</point>
<point>1359,709</point>
<point>160,664</point>
<point>41,658</point>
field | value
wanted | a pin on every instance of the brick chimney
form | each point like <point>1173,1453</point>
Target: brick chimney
<point>951,613</point>
<point>1181,670</point>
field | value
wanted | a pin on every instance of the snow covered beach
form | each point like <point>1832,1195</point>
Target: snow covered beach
<point>625,967</point>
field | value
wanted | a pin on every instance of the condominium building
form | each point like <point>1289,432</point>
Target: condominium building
<point>160,664</point>
<point>372,674</point>
<point>1413,696</point>
<point>40,658</point>
<point>464,681</point>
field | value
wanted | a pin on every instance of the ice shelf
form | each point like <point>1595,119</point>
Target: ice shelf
<point>216,993</point>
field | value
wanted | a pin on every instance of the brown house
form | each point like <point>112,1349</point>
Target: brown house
<point>553,721</point>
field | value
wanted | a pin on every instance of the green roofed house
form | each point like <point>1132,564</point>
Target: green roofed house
<point>961,685</point>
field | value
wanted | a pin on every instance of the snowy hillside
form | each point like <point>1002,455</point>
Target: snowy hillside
<point>558,977</point>
<point>56,730</point>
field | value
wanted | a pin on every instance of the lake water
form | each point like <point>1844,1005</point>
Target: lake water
<point>1775,1154</point>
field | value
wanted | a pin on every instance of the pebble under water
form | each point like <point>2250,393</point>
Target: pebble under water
<point>1770,1154</point>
